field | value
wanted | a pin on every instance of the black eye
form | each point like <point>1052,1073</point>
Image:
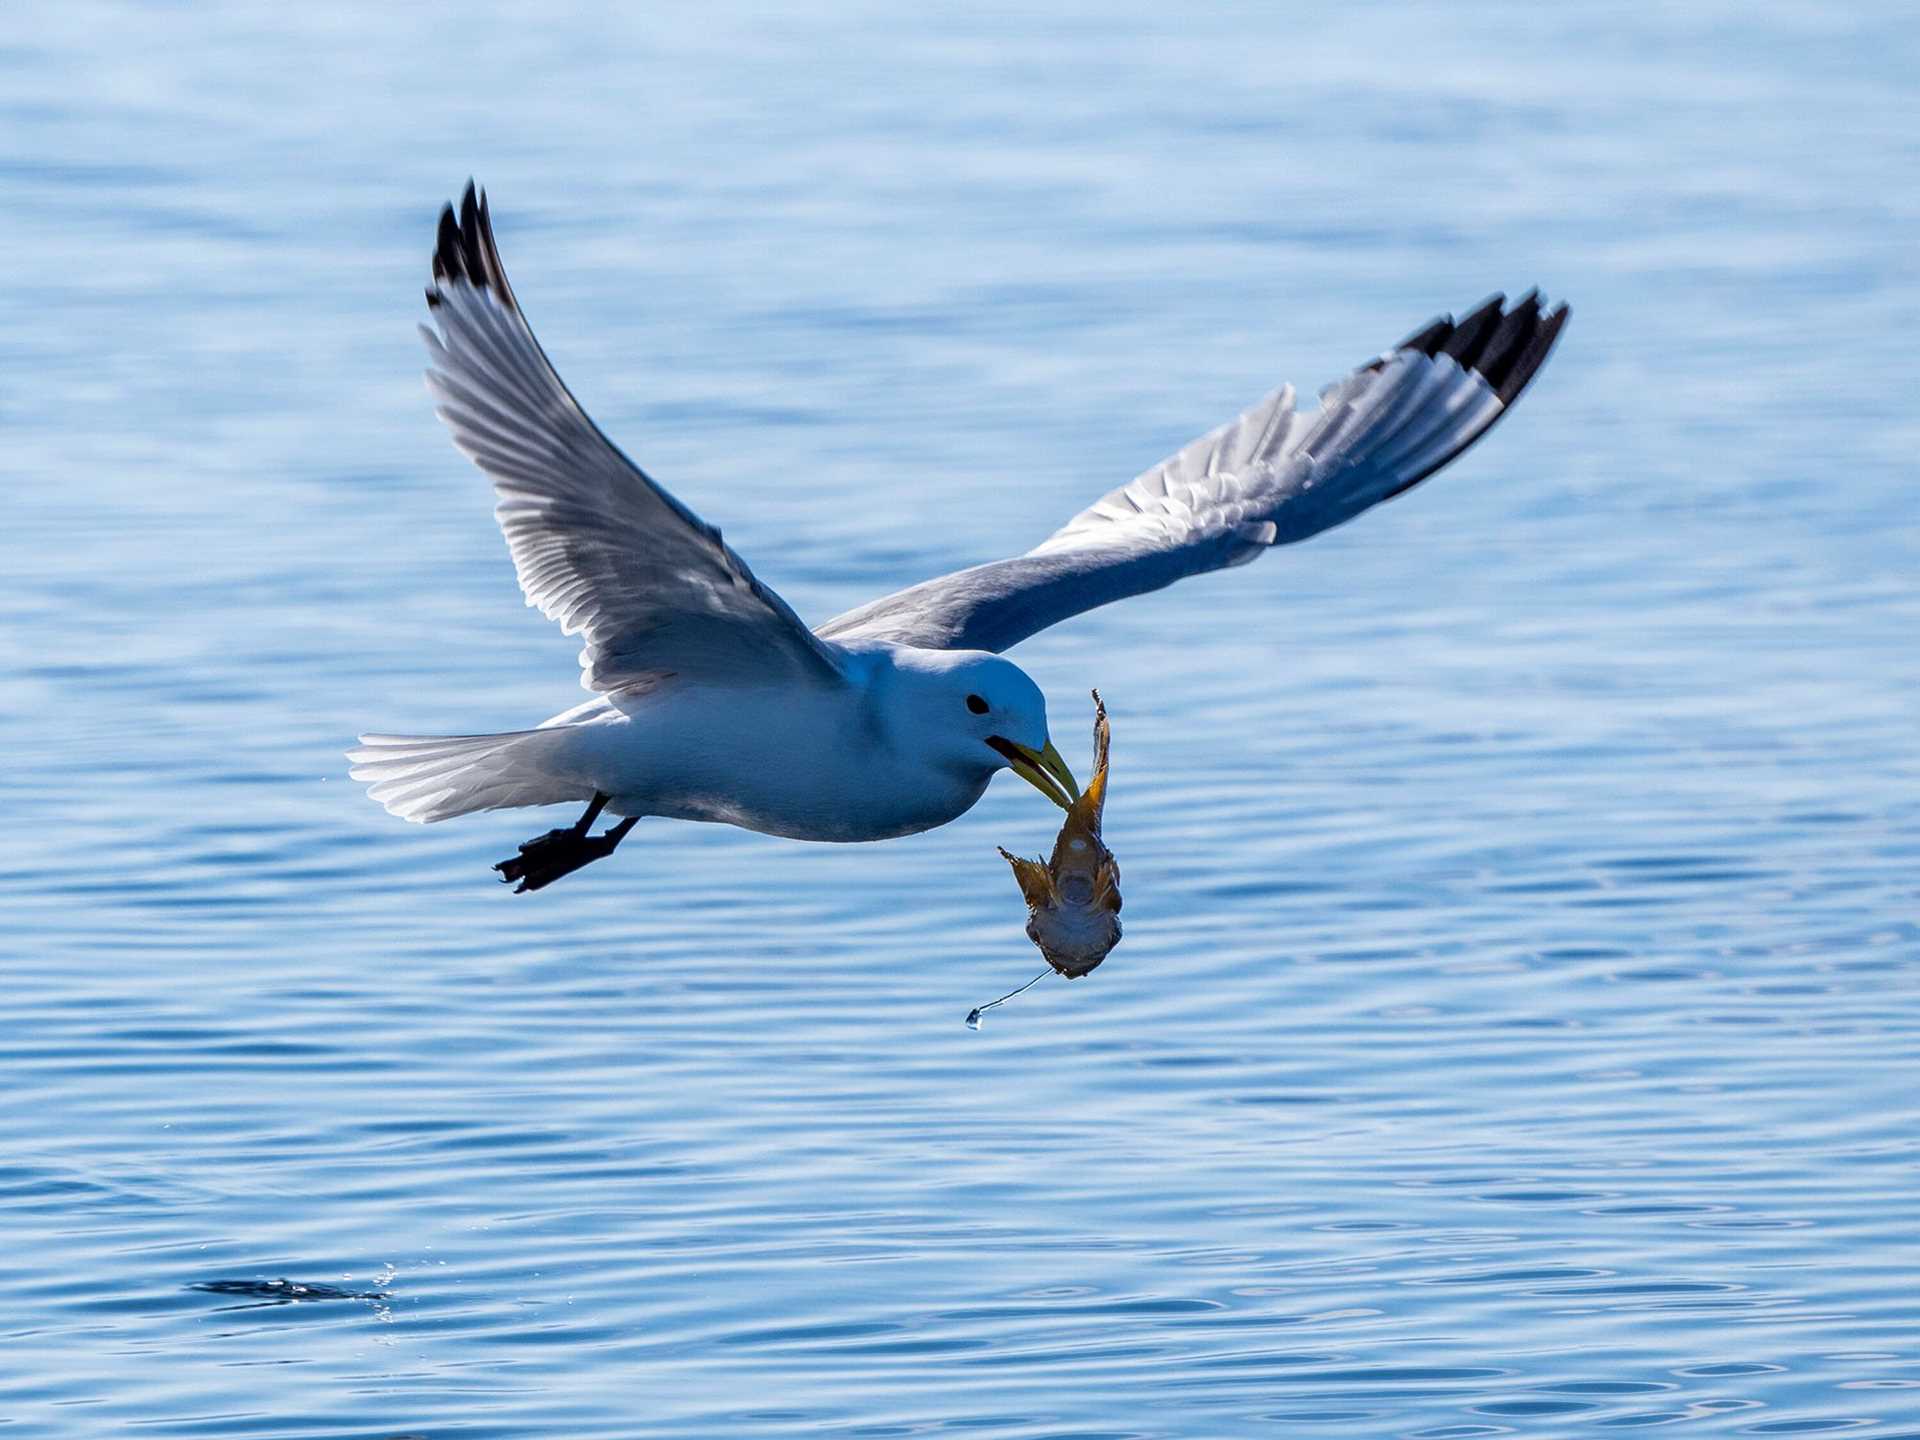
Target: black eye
<point>976,704</point>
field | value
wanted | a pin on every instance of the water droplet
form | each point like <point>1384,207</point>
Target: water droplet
<point>973,1018</point>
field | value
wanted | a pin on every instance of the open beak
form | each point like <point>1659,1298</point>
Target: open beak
<point>1042,769</point>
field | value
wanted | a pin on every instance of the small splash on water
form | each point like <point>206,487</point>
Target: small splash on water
<point>973,1018</point>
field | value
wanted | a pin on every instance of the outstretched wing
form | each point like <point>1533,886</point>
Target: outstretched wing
<point>597,545</point>
<point>1271,477</point>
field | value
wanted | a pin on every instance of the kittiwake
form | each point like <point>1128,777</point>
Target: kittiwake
<point>714,701</point>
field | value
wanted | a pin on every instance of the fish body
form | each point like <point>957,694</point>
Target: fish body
<point>1073,899</point>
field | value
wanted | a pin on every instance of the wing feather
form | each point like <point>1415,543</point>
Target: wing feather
<point>1270,477</point>
<point>596,544</point>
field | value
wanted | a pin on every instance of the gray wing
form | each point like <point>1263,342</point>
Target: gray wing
<point>597,545</point>
<point>1271,477</point>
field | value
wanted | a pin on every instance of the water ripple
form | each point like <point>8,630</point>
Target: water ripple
<point>1514,1030</point>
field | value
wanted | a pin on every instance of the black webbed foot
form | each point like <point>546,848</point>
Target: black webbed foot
<point>546,858</point>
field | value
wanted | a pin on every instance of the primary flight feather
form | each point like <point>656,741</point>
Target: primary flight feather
<point>714,701</point>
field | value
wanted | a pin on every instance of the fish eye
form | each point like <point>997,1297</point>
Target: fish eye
<point>977,705</point>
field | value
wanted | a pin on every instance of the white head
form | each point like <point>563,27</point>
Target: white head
<point>973,713</point>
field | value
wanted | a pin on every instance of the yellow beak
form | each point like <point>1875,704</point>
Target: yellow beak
<point>1042,769</point>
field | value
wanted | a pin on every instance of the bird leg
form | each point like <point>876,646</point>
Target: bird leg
<point>545,859</point>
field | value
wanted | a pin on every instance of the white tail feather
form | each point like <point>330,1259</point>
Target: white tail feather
<point>435,777</point>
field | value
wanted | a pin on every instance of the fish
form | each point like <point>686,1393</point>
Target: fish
<point>1073,899</point>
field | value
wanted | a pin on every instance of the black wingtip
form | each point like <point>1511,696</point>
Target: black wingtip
<point>1470,336</point>
<point>1504,344</point>
<point>1429,339</point>
<point>470,257</point>
<point>464,250</point>
<point>1533,353</point>
<point>446,248</point>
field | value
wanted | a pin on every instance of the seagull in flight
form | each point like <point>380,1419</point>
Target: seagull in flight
<point>714,701</point>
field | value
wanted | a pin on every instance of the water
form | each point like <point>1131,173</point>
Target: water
<point>1515,1028</point>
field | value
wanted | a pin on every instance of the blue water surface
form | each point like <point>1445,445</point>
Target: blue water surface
<point>1515,1031</point>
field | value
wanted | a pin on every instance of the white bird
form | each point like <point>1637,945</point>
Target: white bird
<point>714,701</point>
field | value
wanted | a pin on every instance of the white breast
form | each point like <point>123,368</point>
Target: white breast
<point>806,762</point>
